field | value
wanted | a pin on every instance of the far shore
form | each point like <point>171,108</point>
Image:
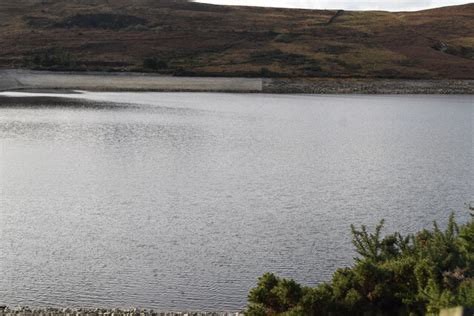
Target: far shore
<point>27,80</point>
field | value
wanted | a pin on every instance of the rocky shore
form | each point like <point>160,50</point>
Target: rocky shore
<point>25,311</point>
<point>368,86</point>
<point>26,80</point>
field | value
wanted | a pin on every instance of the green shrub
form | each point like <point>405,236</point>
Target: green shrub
<point>274,295</point>
<point>52,58</point>
<point>154,63</point>
<point>394,275</point>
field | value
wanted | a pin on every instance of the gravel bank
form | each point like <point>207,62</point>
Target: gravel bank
<point>368,86</point>
<point>25,311</point>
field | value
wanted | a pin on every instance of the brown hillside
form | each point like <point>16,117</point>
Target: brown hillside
<point>183,38</point>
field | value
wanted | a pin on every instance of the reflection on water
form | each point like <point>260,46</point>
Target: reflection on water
<point>173,201</point>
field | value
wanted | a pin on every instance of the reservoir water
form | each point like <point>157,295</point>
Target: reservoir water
<point>180,201</point>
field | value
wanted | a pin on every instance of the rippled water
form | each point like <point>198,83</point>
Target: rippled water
<point>180,201</point>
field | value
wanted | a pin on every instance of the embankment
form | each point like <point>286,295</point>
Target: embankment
<point>93,81</point>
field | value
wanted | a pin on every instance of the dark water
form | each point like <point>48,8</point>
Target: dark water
<point>180,201</point>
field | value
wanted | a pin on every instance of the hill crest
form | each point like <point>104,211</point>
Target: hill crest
<point>187,38</point>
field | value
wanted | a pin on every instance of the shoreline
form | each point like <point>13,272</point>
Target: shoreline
<point>28,80</point>
<point>26,311</point>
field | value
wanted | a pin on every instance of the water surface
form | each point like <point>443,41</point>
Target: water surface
<point>180,201</point>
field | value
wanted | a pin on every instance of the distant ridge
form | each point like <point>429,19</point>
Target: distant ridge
<point>194,39</point>
<point>90,2</point>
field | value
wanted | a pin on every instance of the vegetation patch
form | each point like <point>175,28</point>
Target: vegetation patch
<point>101,21</point>
<point>335,49</point>
<point>261,73</point>
<point>53,59</point>
<point>460,51</point>
<point>267,73</point>
<point>344,64</point>
<point>154,63</point>
<point>277,56</point>
<point>286,38</point>
<point>38,21</point>
<point>416,274</point>
<point>409,62</point>
<point>314,70</point>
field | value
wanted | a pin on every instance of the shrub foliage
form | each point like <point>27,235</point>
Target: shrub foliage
<point>55,58</point>
<point>154,63</point>
<point>417,274</point>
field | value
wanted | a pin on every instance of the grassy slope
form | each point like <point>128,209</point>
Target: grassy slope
<point>215,40</point>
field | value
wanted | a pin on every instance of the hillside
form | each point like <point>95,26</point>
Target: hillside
<point>184,38</point>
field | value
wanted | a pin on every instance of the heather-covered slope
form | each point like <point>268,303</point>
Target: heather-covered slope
<point>177,37</point>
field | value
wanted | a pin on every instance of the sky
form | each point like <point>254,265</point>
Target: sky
<point>390,5</point>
